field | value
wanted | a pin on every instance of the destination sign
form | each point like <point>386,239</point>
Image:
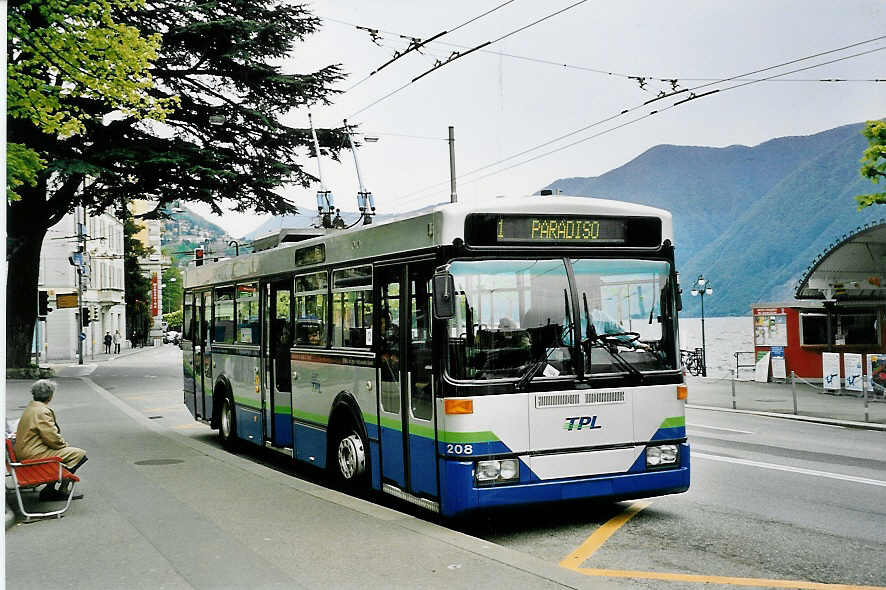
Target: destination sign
<point>560,229</point>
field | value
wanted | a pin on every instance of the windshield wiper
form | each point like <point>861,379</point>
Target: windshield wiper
<point>535,367</point>
<point>609,342</point>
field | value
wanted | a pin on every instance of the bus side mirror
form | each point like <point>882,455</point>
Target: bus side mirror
<point>444,296</point>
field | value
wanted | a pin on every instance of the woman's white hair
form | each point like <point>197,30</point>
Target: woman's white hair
<point>43,390</point>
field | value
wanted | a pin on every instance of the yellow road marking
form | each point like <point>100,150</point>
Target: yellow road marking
<point>160,409</point>
<point>595,541</point>
<point>140,396</point>
<point>600,536</point>
<point>703,579</point>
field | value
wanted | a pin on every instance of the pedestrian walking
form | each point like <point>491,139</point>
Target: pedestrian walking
<point>117,339</point>
<point>108,340</point>
<point>38,435</point>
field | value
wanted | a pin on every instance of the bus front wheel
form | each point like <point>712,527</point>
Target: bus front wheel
<point>227,429</point>
<point>350,458</point>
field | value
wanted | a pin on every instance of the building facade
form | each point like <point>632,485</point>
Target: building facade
<point>101,280</point>
<point>152,267</point>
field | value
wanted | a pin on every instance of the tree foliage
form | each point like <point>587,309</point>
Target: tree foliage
<point>136,284</point>
<point>62,52</point>
<point>873,163</point>
<point>172,289</point>
<point>220,80</point>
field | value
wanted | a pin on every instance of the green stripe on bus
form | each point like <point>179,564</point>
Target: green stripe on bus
<point>310,417</point>
<point>428,431</point>
<point>674,422</point>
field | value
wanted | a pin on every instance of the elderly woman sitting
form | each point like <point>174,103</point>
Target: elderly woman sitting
<point>39,436</point>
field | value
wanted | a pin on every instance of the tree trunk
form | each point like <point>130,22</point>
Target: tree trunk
<point>26,227</point>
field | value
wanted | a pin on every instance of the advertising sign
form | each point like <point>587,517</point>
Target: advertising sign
<point>852,371</point>
<point>770,329</point>
<point>779,371</point>
<point>761,369</point>
<point>830,370</point>
<point>66,300</point>
<point>155,294</point>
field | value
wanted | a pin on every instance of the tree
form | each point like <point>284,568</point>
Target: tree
<point>136,285</point>
<point>873,163</point>
<point>221,142</point>
<point>60,48</point>
<point>172,289</point>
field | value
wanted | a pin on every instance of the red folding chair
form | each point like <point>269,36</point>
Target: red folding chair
<point>30,473</point>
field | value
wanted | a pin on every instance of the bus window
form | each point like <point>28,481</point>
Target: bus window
<point>310,309</point>
<point>247,314</point>
<point>187,319</point>
<point>223,326</point>
<point>389,342</point>
<point>352,307</point>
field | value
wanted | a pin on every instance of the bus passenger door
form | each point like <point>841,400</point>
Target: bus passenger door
<point>188,344</point>
<point>201,355</point>
<point>406,407</point>
<point>278,364</point>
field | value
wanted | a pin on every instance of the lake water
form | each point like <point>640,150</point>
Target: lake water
<point>723,337</point>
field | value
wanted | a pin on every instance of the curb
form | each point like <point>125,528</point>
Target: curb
<point>798,418</point>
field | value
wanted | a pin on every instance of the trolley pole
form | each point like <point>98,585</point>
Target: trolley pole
<point>453,197</point>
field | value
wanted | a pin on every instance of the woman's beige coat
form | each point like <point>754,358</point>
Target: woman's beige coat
<point>39,436</point>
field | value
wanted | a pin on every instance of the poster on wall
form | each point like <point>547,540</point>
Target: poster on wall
<point>852,371</point>
<point>877,374</point>
<point>830,370</point>
<point>779,371</point>
<point>770,329</point>
<point>761,368</point>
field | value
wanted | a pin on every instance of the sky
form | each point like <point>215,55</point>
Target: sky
<point>502,100</point>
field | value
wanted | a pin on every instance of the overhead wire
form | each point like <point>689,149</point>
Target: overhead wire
<point>406,198</point>
<point>457,55</point>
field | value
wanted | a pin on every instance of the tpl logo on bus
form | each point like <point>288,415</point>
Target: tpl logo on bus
<point>581,422</point>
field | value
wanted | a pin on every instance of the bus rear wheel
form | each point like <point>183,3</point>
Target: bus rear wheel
<point>227,428</point>
<point>349,458</point>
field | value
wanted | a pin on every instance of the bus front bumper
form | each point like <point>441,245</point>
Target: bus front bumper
<point>460,494</point>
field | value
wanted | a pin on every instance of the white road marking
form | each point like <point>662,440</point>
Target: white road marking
<point>718,428</point>
<point>800,470</point>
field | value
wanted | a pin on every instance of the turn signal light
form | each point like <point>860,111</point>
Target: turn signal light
<point>682,392</point>
<point>458,406</point>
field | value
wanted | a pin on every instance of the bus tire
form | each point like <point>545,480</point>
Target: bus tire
<point>227,424</point>
<point>349,460</point>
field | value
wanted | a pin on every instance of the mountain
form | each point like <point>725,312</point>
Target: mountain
<point>751,219</point>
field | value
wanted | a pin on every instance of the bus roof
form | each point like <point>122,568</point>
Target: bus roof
<point>436,225</point>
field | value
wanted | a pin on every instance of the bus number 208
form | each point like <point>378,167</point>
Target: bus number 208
<point>459,449</point>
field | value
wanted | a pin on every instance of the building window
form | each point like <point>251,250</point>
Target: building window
<point>847,328</point>
<point>813,329</point>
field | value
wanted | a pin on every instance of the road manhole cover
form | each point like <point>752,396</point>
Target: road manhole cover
<point>159,462</point>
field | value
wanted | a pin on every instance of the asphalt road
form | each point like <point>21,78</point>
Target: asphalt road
<point>771,499</point>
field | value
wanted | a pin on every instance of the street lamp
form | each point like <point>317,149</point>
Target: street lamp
<point>702,287</point>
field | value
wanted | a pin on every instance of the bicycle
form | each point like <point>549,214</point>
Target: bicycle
<point>692,361</point>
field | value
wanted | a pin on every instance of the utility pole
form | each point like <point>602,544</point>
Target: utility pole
<point>453,197</point>
<point>81,246</point>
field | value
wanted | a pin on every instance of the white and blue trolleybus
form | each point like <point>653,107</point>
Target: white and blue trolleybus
<point>459,358</point>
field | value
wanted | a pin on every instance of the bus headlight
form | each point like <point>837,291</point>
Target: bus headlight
<point>496,471</point>
<point>662,456</point>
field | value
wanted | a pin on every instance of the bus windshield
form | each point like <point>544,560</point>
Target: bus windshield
<point>515,317</point>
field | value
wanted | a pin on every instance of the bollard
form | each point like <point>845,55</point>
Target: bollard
<point>866,418</point>
<point>794,390</point>
<point>733,388</point>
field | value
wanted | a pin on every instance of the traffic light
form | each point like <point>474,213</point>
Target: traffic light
<point>86,318</point>
<point>198,256</point>
<point>42,303</point>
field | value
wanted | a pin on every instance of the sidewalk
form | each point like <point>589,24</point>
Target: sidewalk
<point>168,508</point>
<point>63,368</point>
<point>778,399</point>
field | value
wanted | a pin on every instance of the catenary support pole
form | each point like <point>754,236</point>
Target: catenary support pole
<point>453,196</point>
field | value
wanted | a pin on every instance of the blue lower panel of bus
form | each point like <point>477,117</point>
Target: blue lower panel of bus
<point>249,424</point>
<point>461,495</point>
<point>282,430</point>
<point>310,444</point>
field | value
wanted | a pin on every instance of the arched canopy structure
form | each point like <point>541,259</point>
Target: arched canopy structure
<point>851,270</point>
